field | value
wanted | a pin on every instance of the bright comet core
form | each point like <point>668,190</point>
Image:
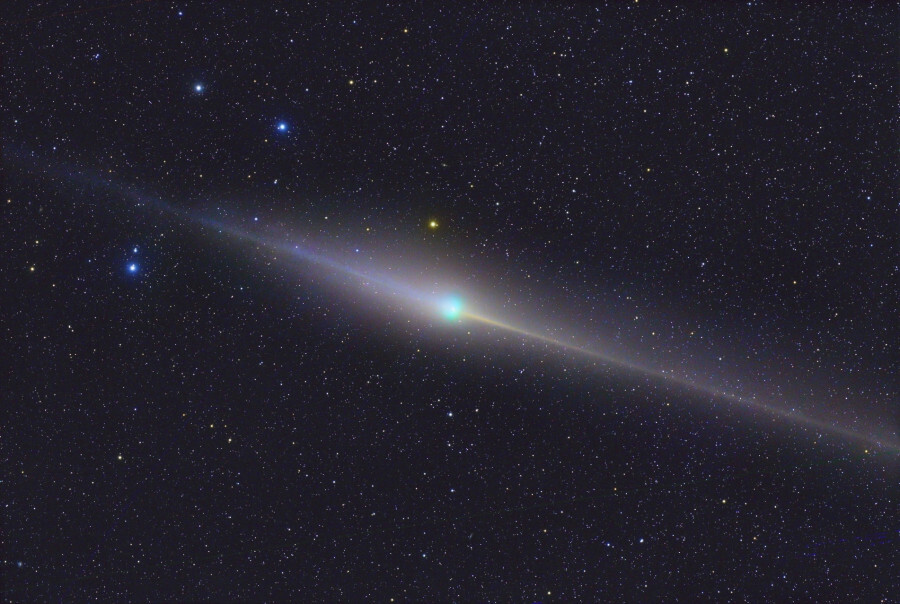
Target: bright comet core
<point>452,308</point>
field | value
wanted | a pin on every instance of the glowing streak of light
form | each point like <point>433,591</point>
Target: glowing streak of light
<point>794,416</point>
<point>450,308</point>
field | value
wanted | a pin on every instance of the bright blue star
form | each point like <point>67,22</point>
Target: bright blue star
<point>282,126</point>
<point>132,268</point>
<point>198,87</point>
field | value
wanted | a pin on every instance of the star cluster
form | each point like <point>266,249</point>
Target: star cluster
<point>710,188</point>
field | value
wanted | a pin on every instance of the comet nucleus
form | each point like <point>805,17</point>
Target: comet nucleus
<point>451,308</point>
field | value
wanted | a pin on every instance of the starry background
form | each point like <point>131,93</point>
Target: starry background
<point>189,419</point>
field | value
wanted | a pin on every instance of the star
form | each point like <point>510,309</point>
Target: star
<point>282,127</point>
<point>132,268</point>
<point>199,87</point>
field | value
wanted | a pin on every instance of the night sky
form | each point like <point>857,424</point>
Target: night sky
<point>669,240</point>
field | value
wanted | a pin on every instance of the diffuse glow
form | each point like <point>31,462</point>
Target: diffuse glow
<point>751,403</point>
<point>452,308</point>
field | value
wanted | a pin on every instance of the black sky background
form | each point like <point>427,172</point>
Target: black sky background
<point>220,426</point>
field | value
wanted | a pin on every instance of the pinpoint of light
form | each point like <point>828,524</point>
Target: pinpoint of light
<point>132,268</point>
<point>451,308</point>
<point>282,126</point>
<point>198,87</point>
<point>432,224</point>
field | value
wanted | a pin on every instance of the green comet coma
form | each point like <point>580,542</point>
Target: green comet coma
<point>451,308</point>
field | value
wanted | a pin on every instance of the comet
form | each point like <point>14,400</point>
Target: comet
<point>452,308</point>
